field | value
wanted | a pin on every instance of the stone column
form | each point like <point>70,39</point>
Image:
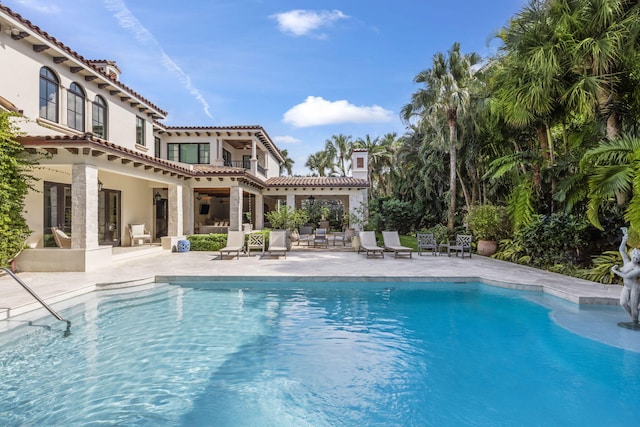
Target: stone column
<point>254,157</point>
<point>175,221</point>
<point>291,200</point>
<point>357,201</point>
<point>259,217</point>
<point>84,206</point>
<point>235,209</point>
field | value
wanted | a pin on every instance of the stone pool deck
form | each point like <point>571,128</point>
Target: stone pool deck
<point>300,264</point>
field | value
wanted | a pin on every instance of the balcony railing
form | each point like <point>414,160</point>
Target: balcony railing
<point>245,165</point>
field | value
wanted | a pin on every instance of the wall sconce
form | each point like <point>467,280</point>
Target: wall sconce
<point>156,198</point>
<point>100,185</point>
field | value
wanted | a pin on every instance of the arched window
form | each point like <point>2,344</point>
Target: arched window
<point>75,107</point>
<point>48,95</point>
<point>99,117</point>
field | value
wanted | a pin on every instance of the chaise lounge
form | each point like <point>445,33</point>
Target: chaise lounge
<point>235,243</point>
<point>368,244</point>
<point>278,242</point>
<point>392,243</point>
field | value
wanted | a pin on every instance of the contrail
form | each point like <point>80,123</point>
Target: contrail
<point>129,22</point>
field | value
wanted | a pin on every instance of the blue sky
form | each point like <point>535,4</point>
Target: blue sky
<point>304,70</point>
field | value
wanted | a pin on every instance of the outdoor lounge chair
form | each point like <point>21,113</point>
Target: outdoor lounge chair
<point>427,241</point>
<point>139,232</point>
<point>320,238</point>
<point>278,242</point>
<point>235,243</point>
<point>369,245</point>
<point>392,243</point>
<point>62,240</point>
<point>462,245</point>
<point>305,234</point>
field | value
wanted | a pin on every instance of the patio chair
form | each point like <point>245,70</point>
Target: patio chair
<point>369,245</point>
<point>235,243</point>
<point>305,234</point>
<point>62,240</point>
<point>338,236</point>
<point>278,242</point>
<point>139,232</point>
<point>462,244</point>
<point>320,238</point>
<point>392,243</point>
<point>428,242</point>
<point>255,241</point>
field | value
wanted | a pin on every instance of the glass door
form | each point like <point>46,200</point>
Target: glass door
<point>109,231</point>
<point>57,210</point>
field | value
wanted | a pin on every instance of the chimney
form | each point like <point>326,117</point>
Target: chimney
<point>107,67</point>
<point>360,164</point>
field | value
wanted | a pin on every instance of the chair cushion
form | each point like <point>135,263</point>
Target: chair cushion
<point>137,229</point>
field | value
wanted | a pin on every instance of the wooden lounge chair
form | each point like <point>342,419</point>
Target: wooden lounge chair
<point>428,242</point>
<point>235,243</point>
<point>62,240</point>
<point>278,243</point>
<point>392,243</point>
<point>462,244</point>
<point>368,244</point>
<point>139,232</point>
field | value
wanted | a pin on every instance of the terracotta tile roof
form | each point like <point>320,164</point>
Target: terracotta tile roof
<point>211,169</point>
<point>78,57</point>
<point>316,181</point>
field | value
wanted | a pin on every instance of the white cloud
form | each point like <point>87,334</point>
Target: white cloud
<point>316,111</point>
<point>303,22</point>
<point>129,22</point>
<point>285,139</point>
<point>43,7</point>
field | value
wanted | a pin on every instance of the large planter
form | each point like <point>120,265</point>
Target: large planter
<point>355,242</point>
<point>487,247</point>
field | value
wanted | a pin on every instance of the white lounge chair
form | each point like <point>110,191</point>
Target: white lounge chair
<point>278,242</point>
<point>392,243</point>
<point>369,245</point>
<point>139,232</point>
<point>235,243</point>
<point>62,240</point>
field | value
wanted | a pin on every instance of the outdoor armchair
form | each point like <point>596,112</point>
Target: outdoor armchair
<point>461,245</point>
<point>427,241</point>
<point>139,232</point>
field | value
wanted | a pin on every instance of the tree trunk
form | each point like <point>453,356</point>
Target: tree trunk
<point>453,137</point>
<point>465,191</point>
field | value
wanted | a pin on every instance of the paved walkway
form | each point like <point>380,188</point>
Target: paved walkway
<point>300,263</point>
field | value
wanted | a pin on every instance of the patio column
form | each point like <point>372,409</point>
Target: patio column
<point>254,157</point>
<point>235,209</point>
<point>84,206</point>
<point>357,201</point>
<point>291,200</point>
<point>175,220</point>
<point>259,209</point>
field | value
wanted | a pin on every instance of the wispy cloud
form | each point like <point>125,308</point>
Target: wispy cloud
<point>129,22</point>
<point>285,139</point>
<point>305,22</point>
<point>40,6</point>
<point>316,111</point>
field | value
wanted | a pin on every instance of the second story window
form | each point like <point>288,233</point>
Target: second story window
<point>75,107</point>
<point>99,117</point>
<point>48,95</point>
<point>156,147</point>
<point>189,153</point>
<point>226,157</point>
<point>140,131</point>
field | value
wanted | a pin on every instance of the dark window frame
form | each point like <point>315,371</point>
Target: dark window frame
<point>99,117</point>
<point>203,152</point>
<point>49,84</point>
<point>76,107</point>
<point>140,125</point>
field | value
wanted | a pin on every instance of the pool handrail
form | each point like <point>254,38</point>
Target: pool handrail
<point>67,332</point>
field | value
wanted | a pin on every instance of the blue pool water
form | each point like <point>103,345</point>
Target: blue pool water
<point>374,354</point>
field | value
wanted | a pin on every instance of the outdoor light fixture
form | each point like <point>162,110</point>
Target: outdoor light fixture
<point>100,185</point>
<point>157,197</point>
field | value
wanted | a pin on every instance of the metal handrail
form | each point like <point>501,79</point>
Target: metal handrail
<point>67,332</point>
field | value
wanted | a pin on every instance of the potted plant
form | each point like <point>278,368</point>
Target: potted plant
<point>488,224</point>
<point>287,218</point>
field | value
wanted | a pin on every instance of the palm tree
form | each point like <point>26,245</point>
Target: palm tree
<point>287,164</point>
<point>320,162</point>
<point>340,147</point>
<point>447,90</point>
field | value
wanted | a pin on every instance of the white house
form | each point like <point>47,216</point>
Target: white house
<point>110,162</point>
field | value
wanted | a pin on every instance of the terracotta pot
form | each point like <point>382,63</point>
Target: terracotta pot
<point>487,247</point>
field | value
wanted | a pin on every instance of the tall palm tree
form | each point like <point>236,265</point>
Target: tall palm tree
<point>320,162</point>
<point>340,147</point>
<point>446,90</point>
<point>287,165</point>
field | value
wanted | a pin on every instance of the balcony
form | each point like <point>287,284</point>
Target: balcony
<point>245,165</point>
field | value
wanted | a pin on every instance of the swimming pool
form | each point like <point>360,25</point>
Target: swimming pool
<point>318,354</point>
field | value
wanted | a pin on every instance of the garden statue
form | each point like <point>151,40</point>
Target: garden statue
<point>630,271</point>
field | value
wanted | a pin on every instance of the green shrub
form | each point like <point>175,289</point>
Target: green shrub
<point>207,242</point>
<point>488,222</point>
